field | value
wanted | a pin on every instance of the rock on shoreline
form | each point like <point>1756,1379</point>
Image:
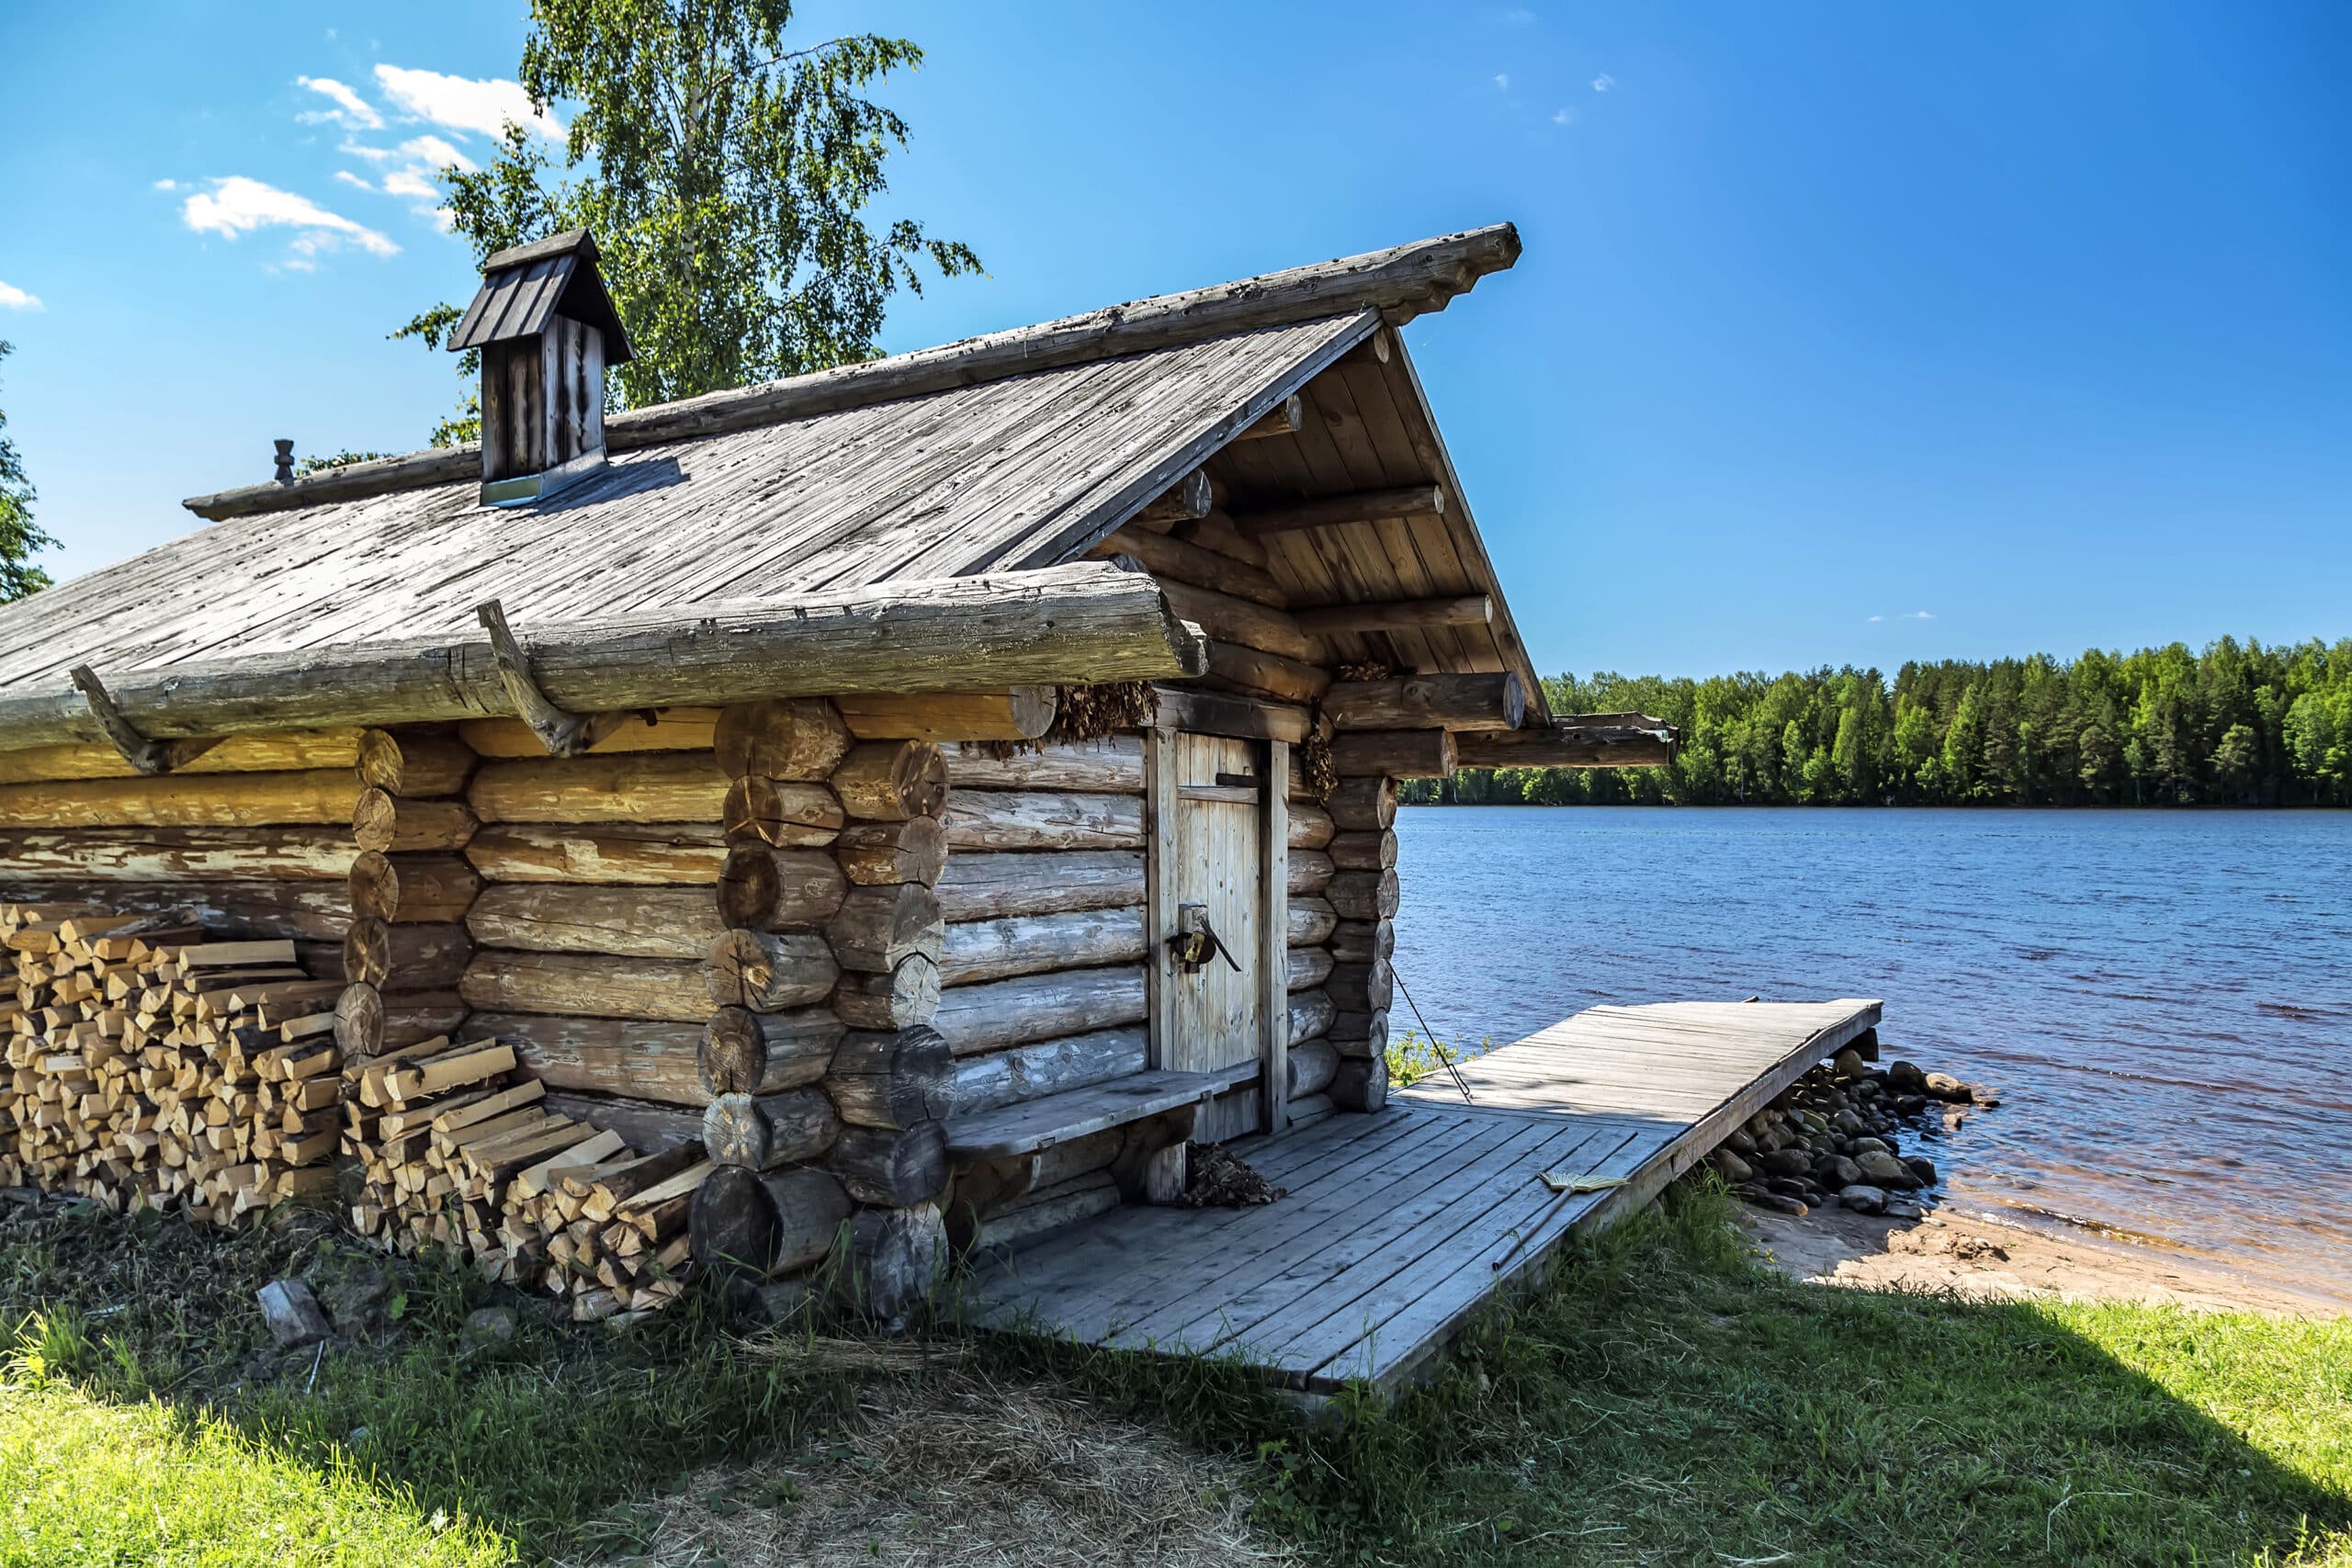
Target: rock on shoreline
<point>1834,1137</point>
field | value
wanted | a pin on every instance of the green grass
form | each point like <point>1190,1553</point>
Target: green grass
<point>1662,1401</point>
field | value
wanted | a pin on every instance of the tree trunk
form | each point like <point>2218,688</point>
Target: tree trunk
<point>890,781</point>
<point>645,922</point>
<point>1027,944</point>
<point>906,997</point>
<point>621,854</point>
<point>600,1055</point>
<point>769,889</point>
<point>1111,764</point>
<point>1037,820</point>
<point>1039,1007</point>
<point>763,1131</point>
<point>979,886</point>
<point>767,1223</point>
<point>879,928</point>
<point>769,971</point>
<point>894,1078</point>
<point>587,985</point>
<point>742,1052</point>
<point>800,738</point>
<point>892,1169</point>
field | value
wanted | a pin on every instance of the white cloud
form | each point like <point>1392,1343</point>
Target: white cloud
<point>1502,80</point>
<point>412,170</point>
<point>15,299</point>
<point>347,177</point>
<point>1876,619</point>
<point>1603,81</point>
<point>238,206</point>
<point>462,102</point>
<point>1564,116</point>
<point>1921,615</point>
<point>350,109</point>
<point>409,183</point>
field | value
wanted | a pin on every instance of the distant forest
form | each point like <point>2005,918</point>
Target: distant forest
<point>2237,724</point>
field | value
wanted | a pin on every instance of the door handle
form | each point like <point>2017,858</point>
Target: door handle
<point>1196,942</point>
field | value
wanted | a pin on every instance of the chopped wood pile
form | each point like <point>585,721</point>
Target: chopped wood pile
<point>457,1151</point>
<point>154,1069</point>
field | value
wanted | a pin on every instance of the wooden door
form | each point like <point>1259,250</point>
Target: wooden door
<point>1210,851</point>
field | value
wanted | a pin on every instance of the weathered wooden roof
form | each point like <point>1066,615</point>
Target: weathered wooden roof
<point>1017,473</point>
<point>1015,451</point>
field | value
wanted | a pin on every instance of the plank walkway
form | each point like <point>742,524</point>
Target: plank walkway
<point>1398,1227</point>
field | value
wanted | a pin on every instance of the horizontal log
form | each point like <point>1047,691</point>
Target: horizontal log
<point>291,750</point>
<point>404,957</point>
<point>1014,713</point>
<point>742,1052</point>
<point>1313,1064</point>
<point>391,825</point>
<point>1283,419</point>
<point>1360,1033</point>
<point>893,1170</point>
<point>1397,282</point>
<point>1189,497</point>
<point>1110,764</point>
<point>587,985</point>
<point>305,911</point>
<point>634,786</point>
<point>892,1078</point>
<point>1367,804</point>
<point>770,971</point>
<point>646,1127</point>
<point>1363,894</point>
<point>1311,921</point>
<point>645,730</point>
<point>1308,967</point>
<point>981,886</point>
<point>904,998</point>
<point>1222,713</point>
<point>1361,1083</point>
<point>420,765</point>
<point>1267,674</point>
<point>763,1131</point>
<point>627,854</point>
<point>1329,510</point>
<point>1362,941</point>
<point>1228,618</point>
<point>975,1018</point>
<point>643,922</point>
<point>366,1021</point>
<point>1041,820</point>
<point>1364,851</point>
<point>979,950</point>
<point>1310,872</point>
<point>178,800</point>
<point>1362,988</point>
<point>877,929</point>
<point>1173,559</point>
<point>781,812</point>
<point>1571,745</point>
<point>766,1222</point>
<point>875,853</point>
<point>1394,753</point>
<point>795,738</point>
<point>650,1059</point>
<point>890,781</point>
<point>767,889</point>
<point>1049,1066</point>
<point>164,854</point>
<point>1310,826</point>
<point>1428,701</point>
<point>1310,1015</point>
<point>1396,615</point>
<point>1082,623</point>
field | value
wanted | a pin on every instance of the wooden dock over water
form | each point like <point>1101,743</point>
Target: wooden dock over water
<point>1396,1227</point>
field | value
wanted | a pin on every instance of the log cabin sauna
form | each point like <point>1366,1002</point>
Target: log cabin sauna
<point>829,826</point>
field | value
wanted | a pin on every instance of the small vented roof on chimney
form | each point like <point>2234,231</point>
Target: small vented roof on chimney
<point>525,287</point>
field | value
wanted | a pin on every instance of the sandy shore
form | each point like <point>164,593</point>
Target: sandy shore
<point>1987,1259</point>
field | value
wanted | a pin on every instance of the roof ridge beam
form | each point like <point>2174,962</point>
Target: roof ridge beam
<point>1400,283</point>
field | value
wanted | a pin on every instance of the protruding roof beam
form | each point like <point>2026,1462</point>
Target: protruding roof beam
<point>1397,615</point>
<point>1357,506</point>
<point>1579,741</point>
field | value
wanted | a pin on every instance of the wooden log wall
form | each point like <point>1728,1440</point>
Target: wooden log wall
<point>1361,893</point>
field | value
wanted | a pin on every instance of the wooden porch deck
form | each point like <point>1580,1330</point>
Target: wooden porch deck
<point>1398,1227</point>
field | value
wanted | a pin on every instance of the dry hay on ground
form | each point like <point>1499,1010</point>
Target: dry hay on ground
<point>954,1466</point>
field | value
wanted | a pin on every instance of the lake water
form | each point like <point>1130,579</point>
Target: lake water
<point>2164,1000</point>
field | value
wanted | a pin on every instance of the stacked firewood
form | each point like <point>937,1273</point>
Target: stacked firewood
<point>457,1152</point>
<point>153,1067</point>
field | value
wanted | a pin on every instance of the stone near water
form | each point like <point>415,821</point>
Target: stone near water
<point>1906,1077</point>
<point>1863,1200</point>
<point>1869,1147</point>
<point>1836,1171</point>
<point>1849,1065</point>
<point>1764,1197</point>
<point>1739,1143</point>
<point>1733,1168</point>
<point>292,1313</point>
<point>1904,1208</point>
<point>1784,1162</point>
<point>1922,1168</point>
<point>1943,1085</point>
<point>1909,1104</point>
<point>1848,1122</point>
<point>1882,1169</point>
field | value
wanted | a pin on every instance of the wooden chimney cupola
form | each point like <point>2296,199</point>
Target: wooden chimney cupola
<point>547,331</point>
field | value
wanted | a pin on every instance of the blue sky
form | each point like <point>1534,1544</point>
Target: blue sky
<point>1844,332</point>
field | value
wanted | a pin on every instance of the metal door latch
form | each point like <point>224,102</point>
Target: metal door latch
<point>1196,942</point>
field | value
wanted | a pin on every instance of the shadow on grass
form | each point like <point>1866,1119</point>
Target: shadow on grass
<point>1662,1400</point>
